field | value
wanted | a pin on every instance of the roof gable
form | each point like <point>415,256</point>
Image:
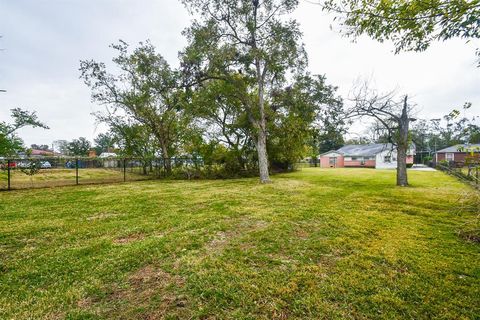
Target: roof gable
<point>331,152</point>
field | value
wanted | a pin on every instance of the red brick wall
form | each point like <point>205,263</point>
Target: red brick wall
<point>358,163</point>
<point>458,157</point>
<point>370,163</point>
<point>325,162</point>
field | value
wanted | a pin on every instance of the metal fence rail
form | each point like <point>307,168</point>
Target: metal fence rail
<point>55,171</point>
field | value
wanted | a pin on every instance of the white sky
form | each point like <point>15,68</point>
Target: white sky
<point>44,40</point>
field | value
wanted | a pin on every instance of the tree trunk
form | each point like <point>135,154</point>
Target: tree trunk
<point>262,156</point>
<point>167,163</point>
<point>262,131</point>
<point>402,147</point>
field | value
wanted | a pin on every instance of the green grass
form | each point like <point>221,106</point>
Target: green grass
<point>65,177</point>
<point>314,244</point>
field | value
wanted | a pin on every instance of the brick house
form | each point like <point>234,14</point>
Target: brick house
<point>376,155</point>
<point>457,153</point>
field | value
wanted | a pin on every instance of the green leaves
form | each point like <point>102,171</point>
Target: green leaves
<point>79,147</point>
<point>10,144</point>
<point>411,25</point>
<point>146,91</point>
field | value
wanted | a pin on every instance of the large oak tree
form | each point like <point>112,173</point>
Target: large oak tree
<point>250,44</point>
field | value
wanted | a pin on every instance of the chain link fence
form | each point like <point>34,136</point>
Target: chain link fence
<point>466,173</point>
<point>54,171</point>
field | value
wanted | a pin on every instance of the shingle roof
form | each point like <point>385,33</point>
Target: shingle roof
<point>364,149</point>
<point>457,146</point>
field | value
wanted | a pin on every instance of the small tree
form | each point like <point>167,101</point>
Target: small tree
<point>31,168</point>
<point>79,147</point>
<point>10,143</point>
<point>394,118</point>
<point>61,146</point>
<point>146,90</point>
<point>104,142</point>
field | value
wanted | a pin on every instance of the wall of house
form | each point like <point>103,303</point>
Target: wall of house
<point>359,163</point>
<point>457,156</point>
<point>325,160</point>
<point>382,164</point>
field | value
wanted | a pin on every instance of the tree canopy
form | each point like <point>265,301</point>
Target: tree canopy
<point>252,45</point>
<point>146,89</point>
<point>412,25</point>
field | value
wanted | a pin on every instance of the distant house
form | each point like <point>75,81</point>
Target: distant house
<point>379,156</point>
<point>109,160</point>
<point>38,153</point>
<point>457,153</point>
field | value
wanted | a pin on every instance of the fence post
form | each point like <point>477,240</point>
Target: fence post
<point>124,169</point>
<point>8,173</point>
<point>76,171</point>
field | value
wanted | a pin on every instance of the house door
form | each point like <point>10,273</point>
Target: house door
<point>333,162</point>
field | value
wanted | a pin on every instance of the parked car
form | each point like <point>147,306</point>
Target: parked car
<point>70,164</point>
<point>45,165</point>
<point>4,165</point>
<point>24,164</point>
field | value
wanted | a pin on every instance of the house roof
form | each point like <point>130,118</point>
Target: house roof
<point>365,149</point>
<point>107,155</point>
<point>37,152</point>
<point>457,146</point>
<point>331,151</point>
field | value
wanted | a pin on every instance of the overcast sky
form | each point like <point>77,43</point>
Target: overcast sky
<point>43,41</point>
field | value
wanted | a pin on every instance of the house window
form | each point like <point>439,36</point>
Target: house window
<point>449,156</point>
<point>387,159</point>
<point>355,158</point>
<point>348,159</point>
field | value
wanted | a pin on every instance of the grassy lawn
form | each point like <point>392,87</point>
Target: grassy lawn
<point>314,244</point>
<point>65,177</point>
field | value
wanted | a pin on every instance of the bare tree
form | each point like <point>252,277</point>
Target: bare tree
<point>393,116</point>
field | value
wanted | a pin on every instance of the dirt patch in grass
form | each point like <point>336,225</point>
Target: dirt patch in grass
<point>102,215</point>
<point>222,238</point>
<point>149,282</point>
<point>470,235</point>
<point>150,277</point>
<point>219,241</point>
<point>129,238</point>
<point>149,293</point>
